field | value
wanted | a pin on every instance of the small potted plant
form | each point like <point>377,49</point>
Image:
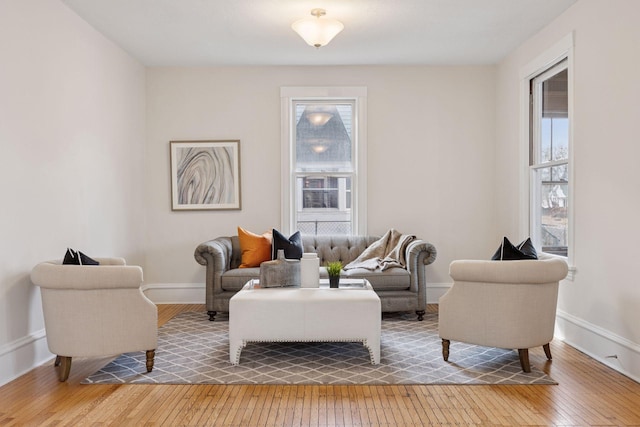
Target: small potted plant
<point>333,270</point>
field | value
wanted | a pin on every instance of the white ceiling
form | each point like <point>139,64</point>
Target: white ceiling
<point>258,32</point>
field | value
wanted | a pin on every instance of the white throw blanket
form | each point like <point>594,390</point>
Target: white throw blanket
<point>384,253</point>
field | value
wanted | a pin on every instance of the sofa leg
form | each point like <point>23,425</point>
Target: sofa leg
<point>63,365</point>
<point>445,349</point>
<point>547,351</point>
<point>151,354</point>
<point>212,315</point>
<point>420,314</point>
<point>524,359</point>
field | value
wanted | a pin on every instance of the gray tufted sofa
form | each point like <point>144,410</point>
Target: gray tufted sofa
<point>399,289</point>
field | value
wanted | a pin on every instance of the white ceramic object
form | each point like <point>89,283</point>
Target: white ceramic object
<point>310,270</point>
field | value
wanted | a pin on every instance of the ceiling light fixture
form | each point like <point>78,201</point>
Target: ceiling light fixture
<point>317,31</point>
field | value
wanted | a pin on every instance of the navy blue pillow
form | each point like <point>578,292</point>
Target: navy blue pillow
<point>508,252</point>
<point>72,257</point>
<point>292,245</point>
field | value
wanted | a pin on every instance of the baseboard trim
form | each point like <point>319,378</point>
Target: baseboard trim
<point>175,293</point>
<point>22,355</point>
<point>612,350</point>
<point>436,290</point>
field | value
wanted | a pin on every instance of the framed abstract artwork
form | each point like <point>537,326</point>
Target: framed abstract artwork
<point>205,175</point>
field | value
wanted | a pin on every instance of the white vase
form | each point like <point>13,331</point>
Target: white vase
<point>310,270</point>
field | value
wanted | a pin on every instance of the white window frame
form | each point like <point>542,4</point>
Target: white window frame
<point>358,95</point>
<point>562,50</point>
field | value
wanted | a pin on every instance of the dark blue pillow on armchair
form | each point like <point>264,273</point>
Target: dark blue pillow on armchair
<point>508,252</point>
<point>292,245</point>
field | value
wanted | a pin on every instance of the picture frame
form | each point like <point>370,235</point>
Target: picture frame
<point>205,175</point>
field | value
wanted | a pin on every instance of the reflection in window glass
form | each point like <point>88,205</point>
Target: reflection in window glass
<point>323,136</point>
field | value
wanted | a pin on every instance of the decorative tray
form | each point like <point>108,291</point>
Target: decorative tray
<point>324,284</point>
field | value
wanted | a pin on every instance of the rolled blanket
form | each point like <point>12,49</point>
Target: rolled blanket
<point>386,252</point>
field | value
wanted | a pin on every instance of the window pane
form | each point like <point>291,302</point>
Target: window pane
<point>323,137</point>
<point>320,193</point>
<point>554,132</point>
<point>560,138</point>
<point>325,204</point>
<point>545,140</point>
<point>559,174</point>
<point>348,193</point>
<point>550,210</point>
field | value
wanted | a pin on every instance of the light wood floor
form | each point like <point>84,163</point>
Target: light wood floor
<point>588,393</point>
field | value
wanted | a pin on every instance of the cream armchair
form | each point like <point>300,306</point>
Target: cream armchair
<point>94,311</point>
<point>504,304</point>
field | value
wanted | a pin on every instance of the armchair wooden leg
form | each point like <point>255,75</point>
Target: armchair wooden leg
<point>212,315</point>
<point>151,354</point>
<point>63,366</point>
<point>420,314</point>
<point>547,351</point>
<point>524,359</point>
<point>445,349</point>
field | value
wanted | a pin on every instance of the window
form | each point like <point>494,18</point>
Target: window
<point>324,176</point>
<point>549,164</point>
<point>328,192</point>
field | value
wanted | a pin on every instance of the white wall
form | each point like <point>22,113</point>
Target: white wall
<point>72,129</point>
<point>599,311</point>
<point>430,155</point>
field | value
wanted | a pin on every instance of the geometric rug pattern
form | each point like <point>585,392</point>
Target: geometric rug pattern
<point>193,350</point>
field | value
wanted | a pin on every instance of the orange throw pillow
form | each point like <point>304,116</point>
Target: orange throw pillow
<point>255,248</point>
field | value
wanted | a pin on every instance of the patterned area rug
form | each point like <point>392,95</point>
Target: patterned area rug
<point>193,350</point>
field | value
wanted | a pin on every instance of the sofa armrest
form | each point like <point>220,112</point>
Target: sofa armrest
<point>418,254</point>
<point>218,250</point>
<point>215,255</point>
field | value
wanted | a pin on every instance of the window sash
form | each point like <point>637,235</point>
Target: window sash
<point>548,193</point>
<point>549,209</point>
<point>355,190</point>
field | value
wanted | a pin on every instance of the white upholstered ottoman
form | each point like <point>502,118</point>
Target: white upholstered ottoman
<point>305,314</point>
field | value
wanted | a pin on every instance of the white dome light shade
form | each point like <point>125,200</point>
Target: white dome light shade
<point>317,31</point>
